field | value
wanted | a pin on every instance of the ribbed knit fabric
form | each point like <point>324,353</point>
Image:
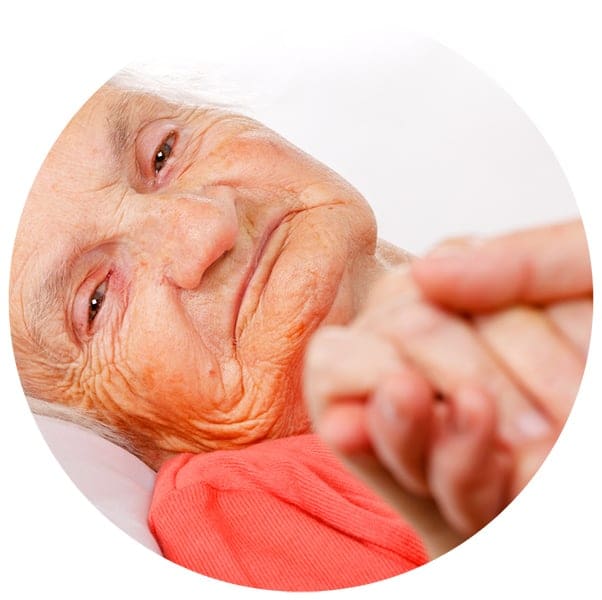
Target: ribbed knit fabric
<point>283,515</point>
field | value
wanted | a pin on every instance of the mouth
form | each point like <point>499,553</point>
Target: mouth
<point>255,265</point>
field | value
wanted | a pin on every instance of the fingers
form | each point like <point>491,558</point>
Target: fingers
<point>362,396</point>
<point>343,426</point>
<point>447,451</point>
<point>538,357</point>
<point>449,353</point>
<point>574,320</point>
<point>528,459</point>
<point>372,386</point>
<point>468,474</point>
<point>341,369</point>
<point>534,266</point>
<point>444,450</point>
<point>398,421</point>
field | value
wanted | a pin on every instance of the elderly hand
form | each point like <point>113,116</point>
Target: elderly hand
<point>461,411</point>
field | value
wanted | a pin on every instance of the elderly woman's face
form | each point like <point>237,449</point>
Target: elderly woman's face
<point>170,265</point>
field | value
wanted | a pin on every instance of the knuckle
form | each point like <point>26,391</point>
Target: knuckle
<point>418,320</point>
<point>324,346</point>
<point>392,286</point>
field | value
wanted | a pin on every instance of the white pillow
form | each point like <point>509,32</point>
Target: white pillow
<point>119,484</point>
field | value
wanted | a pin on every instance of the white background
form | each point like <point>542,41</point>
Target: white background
<point>436,147</point>
<point>543,54</point>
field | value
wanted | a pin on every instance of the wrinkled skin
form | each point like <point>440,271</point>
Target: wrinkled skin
<point>459,374</point>
<point>172,264</point>
<point>161,326</point>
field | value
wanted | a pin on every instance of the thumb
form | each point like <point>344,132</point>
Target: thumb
<point>532,266</point>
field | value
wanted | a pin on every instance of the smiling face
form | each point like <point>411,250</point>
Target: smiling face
<point>170,265</point>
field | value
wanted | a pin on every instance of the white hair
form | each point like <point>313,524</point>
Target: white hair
<point>79,417</point>
<point>192,84</point>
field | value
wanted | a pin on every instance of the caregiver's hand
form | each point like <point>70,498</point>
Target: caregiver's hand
<point>536,266</point>
<point>379,384</point>
<point>546,267</point>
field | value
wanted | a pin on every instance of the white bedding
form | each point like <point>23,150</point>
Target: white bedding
<point>115,481</point>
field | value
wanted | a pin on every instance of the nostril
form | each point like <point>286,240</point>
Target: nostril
<point>199,233</point>
<point>190,266</point>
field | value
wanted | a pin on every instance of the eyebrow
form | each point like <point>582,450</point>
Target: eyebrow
<point>123,116</point>
<point>119,124</point>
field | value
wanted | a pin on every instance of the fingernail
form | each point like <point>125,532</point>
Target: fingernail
<point>463,421</point>
<point>455,247</point>
<point>465,413</point>
<point>387,409</point>
<point>533,425</point>
<point>343,428</point>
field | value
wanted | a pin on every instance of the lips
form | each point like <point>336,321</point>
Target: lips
<point>254,265</point>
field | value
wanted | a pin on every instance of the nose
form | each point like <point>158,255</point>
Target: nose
<point>184,235</point>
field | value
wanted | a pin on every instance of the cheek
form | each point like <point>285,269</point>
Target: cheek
<point>164,366</point>
<point>172,384</point>
<point>258,159</point>
<point>147,389</point>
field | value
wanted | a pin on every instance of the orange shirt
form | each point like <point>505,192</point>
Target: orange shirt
<point>282,514</point>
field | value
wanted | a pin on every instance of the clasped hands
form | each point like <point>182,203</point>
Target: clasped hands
<point>460,372</point>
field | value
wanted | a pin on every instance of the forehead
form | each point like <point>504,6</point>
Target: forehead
<point>83,166</point>
<point>82,170</point>
<point>91,144</point>
<point>56,209</point>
